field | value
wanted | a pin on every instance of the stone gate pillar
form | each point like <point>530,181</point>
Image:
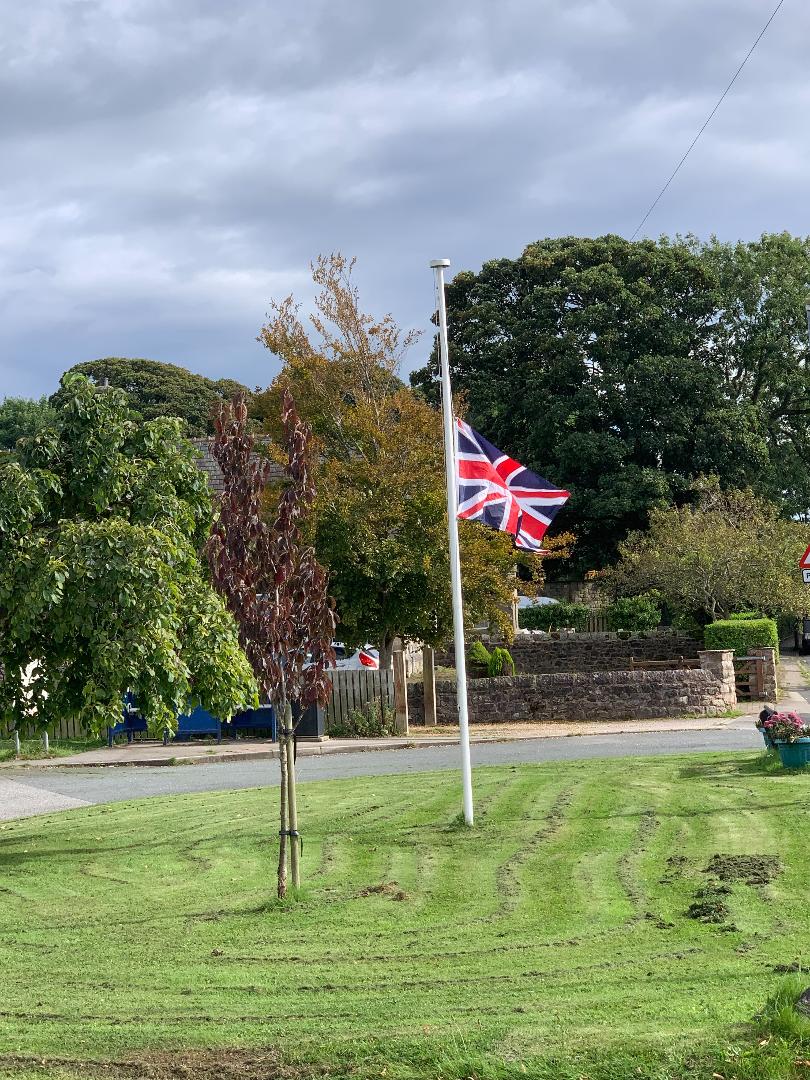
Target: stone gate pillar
<point>719,663</point>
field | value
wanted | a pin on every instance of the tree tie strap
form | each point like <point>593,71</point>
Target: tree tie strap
<point>294,834</point>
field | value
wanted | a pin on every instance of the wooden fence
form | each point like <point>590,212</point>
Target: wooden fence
<point>596,623</point>
<point>351,690</point>
<point>749,675</point>
<point>66,729</point>
<point>354,690</point>
<point>680,663</point>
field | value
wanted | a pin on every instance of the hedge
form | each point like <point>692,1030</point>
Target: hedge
<point>634,613</point>
<point>546,616</point>
<point>741,635</point>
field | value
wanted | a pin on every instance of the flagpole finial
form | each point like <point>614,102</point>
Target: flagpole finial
<point>436,263</point>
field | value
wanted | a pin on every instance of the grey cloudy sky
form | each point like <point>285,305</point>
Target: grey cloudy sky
<point>167,166</point>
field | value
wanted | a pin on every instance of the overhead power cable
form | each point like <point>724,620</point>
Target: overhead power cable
<point>707,121</point>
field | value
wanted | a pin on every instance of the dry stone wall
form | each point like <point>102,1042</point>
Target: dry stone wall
<point>590,652</point>
<point>597,695</point>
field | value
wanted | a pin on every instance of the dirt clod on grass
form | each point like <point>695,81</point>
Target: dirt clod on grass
<point>750,869</point>
<point>709,905</point>
<point>675,866</point>
<point>390,889</point>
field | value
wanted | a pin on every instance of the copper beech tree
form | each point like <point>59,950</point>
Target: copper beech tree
<point>274,587</point>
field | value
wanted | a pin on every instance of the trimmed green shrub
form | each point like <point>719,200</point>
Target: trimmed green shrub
<point>741,635</point>
<point>500,663</point>
<point>634,613</point>
<point>546,616</point>
<point>746,616</point>
<point>478,657</point>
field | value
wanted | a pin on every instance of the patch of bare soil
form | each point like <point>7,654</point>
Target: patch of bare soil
<point>675,868</point>
<point>385,888</point>
<point>224,1064</point>
<point>709,905</point>
<point>751,869</point>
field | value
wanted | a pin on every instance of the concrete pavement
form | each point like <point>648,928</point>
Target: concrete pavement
<point>18,799</point>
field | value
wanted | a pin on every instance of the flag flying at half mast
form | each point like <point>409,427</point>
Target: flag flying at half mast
<point>497,491</point>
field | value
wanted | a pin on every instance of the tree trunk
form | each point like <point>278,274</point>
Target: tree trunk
<point>292,805</point>
<point>282,837</point>
<point>387,651</point>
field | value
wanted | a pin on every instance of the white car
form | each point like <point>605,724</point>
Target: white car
<point>535,601</point>
<point>367,658</point>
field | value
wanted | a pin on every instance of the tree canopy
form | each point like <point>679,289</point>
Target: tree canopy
<point>623,371</point>
<point>23,416</point>
<point>155,389</point>
<point>729,552</point>
<point>102,589</point>
<point>380,514</point>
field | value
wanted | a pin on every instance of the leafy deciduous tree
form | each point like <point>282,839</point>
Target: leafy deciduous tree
<point>730,552</point>
<point>102,589</point>
<point>380,518</point>
<point>23,416</point>
<point>156,389</point>
<point>759,340</point>
<point>623,371</point>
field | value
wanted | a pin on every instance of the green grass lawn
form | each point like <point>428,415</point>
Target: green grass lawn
<point>33,749</point>
<point>551,941</point>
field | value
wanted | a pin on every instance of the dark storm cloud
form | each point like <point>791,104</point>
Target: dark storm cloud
<point>169,165</point>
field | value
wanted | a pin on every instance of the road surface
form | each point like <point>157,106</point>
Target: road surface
<point>40,790</point>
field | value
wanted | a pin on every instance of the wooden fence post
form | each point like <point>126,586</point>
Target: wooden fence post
<point>429,685</point>
<point>400,693</point>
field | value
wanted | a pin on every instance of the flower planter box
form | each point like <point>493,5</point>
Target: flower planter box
<point>795,755</point>
<point>769,743</point>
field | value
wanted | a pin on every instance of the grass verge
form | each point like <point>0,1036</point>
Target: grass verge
<point>33,749</point>
<point>553,940</point>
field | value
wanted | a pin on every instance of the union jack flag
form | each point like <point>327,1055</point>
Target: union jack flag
<point>497,491</point>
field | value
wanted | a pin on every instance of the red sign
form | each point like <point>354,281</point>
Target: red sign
<point>804,561</point>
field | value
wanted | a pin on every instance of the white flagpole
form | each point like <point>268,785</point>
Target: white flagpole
<point>439,266</point>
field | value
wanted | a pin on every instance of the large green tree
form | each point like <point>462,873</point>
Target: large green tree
<point>155,389</point>
<point>102,587</point>
<point>759,340</point>
<point>623,371</point>
<point>23,416</point>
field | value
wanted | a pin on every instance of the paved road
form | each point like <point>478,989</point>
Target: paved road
<point>28,791</point>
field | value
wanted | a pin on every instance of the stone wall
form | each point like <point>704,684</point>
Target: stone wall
<point>596,695</point>
<point>590,652</point>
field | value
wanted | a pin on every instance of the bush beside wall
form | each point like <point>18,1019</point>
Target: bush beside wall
<point>633,613</point>
<point>741,635</point>
<point>548,616</point>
